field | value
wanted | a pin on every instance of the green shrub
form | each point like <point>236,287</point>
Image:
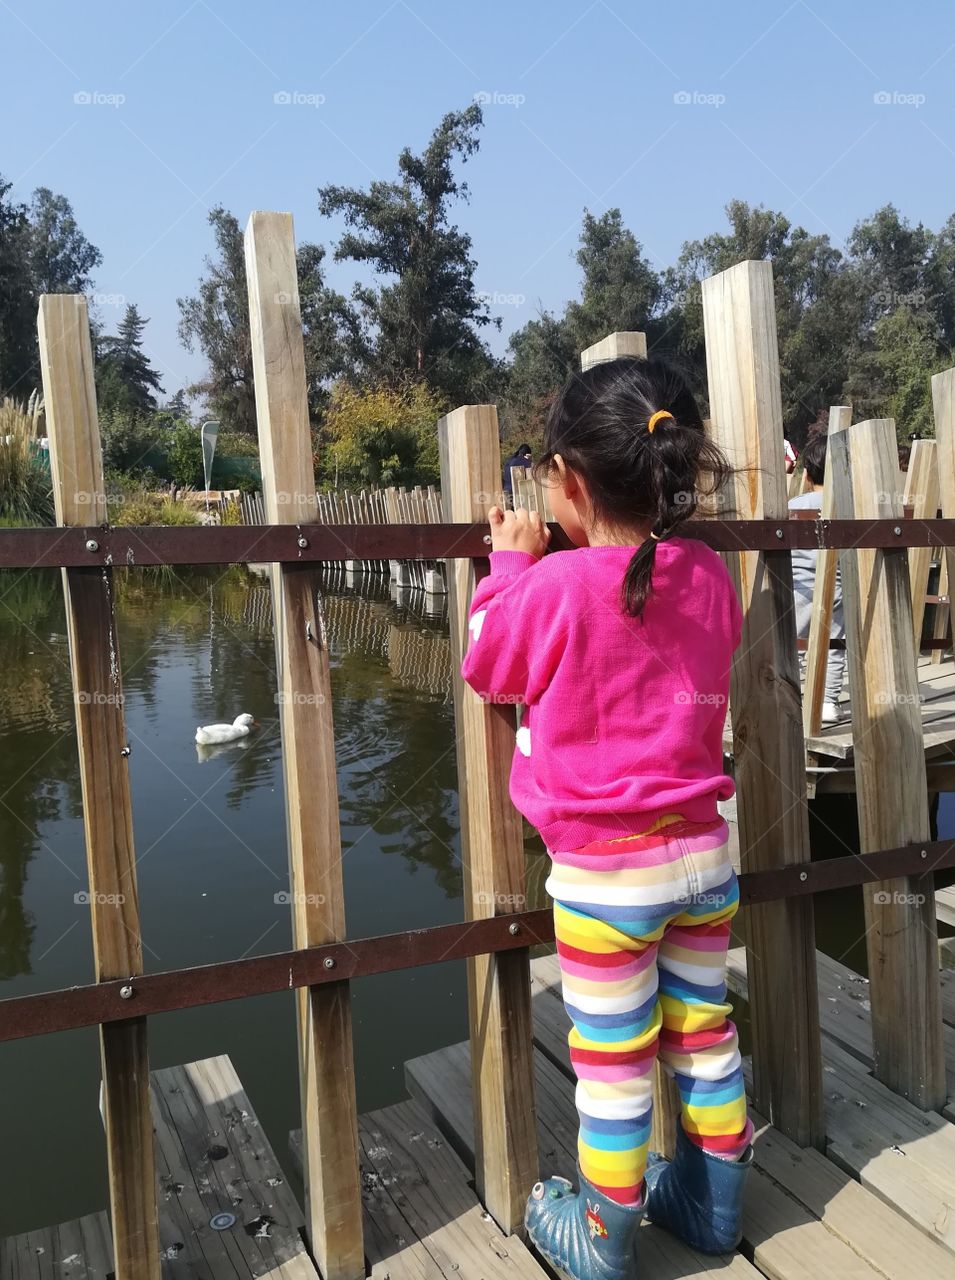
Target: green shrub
<point>185,455</point>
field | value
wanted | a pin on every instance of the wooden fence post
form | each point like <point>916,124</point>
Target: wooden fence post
<point>943,403</point>
<point>921,492</point>
<point>492,855</point>
<point>76,467</point>
<point>614,345</point>
<point>889,754</point>
<point>823,597</point>
<point>742,364</point>
<point>330,1122</point>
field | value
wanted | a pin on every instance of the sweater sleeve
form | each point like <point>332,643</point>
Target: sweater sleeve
<point>515,641</point>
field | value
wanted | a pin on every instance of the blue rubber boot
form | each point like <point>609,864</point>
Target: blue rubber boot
<point>697,1196</point>
<point>583,1235</point>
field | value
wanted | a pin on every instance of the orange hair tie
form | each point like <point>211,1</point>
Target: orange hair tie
<point>658,417</point>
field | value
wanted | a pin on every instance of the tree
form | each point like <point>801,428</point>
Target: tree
<point>61,258</point>
<point>17,316</point>
<point>382,436</point>
<point>815,305</point>
<point>178,406</point>
<point>217,322</point>
<point>620,289</point>
<point>425,323</point>
<point>544,354</point>
<point>892,377</point>
<point>125,380</point>
<point>42,250</point>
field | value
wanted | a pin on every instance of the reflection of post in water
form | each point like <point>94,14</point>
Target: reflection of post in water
<point>370,622</point>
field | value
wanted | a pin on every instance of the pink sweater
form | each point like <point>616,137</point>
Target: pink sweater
<point>623,718</point>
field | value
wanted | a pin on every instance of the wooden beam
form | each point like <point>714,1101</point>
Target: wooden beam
<point>614,345</point>
<point>330,1119</point>
<point>76,467</point>
<point>891,784</point>
<point>742,364</point>
<point>921,493</point>
<point>492,855</point>
<point>823,596</point>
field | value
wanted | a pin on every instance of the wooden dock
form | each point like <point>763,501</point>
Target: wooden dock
<point>880,1203</point>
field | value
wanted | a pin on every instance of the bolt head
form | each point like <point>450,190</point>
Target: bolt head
<point>303,542</point>
<point>514,929</point>
<point>328,962</point>
<point>92,545</point>
<point>126,992</point>
<point>897,530</point>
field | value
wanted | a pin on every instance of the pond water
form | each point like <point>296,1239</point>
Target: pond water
<point>196,647</point>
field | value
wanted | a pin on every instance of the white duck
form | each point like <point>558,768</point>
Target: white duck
<point>212,734</point>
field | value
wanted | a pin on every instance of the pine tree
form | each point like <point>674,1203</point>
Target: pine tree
<point>125,378</point>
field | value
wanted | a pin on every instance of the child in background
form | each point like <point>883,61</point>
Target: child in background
<point>804,576</point>
<point>620,651</point>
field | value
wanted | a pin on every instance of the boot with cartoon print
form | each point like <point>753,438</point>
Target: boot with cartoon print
<point>583,1235</point>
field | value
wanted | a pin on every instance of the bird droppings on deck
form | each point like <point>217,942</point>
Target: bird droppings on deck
<point>217,1152</point>
<point>259,1228</point>
<point>172,1251</point>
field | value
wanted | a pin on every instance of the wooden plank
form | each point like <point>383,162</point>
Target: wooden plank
<point>492,853</point>
<point>745,401</point>
<point>79,493</point>
<point>441,1083</point>
<point>889,756</point>
<point>612,347</point>
<point>921,493</point>
<point>216,1164</point>
<point>823,597</point>
<point>869,1128</point>
<point>330,1118</point>
<point>890,1244</point>
<point>79,1250</point>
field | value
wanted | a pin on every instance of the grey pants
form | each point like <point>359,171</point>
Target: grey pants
<point>836,665</point>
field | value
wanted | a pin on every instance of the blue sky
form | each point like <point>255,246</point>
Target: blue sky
<point>825,111</point>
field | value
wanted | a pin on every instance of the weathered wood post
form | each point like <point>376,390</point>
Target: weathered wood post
<point>823,598</point>
<point>943,403</point>
<point>666,1096</point>
<point>889,754</point>
<point>492,855</point>
<point>79,492</point>
<point>612,347</point>
<point>329,1119</point>
<point>921,492</point>
<point>742,363</point>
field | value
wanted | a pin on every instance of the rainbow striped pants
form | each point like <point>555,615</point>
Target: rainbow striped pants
<point>643,925</point>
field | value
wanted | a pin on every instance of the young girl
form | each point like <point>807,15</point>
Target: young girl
<point>620,652</point>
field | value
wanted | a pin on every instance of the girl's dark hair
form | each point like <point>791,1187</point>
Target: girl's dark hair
<point>598,423</point>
